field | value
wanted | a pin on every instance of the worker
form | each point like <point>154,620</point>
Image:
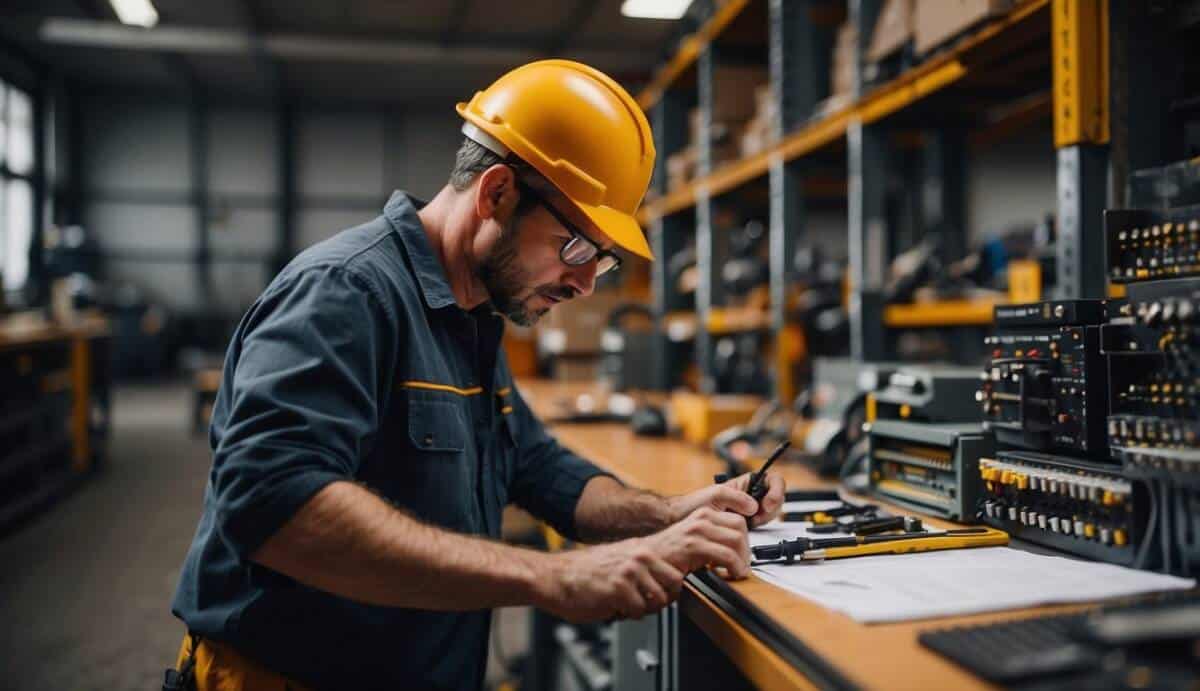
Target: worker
<point>367,432</point>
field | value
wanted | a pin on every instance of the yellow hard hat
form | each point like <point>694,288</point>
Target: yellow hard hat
<point>579,129</point>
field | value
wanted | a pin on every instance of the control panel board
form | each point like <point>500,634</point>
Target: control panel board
<point>1045,386</point>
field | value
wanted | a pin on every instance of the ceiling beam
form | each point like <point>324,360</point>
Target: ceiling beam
<point>454,21</point>
<point>576,19</point>
<point>252,17</point>
<point>301,47</point>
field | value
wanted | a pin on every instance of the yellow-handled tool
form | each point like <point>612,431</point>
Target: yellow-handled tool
<point>813,549</point>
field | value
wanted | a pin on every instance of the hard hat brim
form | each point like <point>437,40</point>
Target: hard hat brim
<point>622,229</point>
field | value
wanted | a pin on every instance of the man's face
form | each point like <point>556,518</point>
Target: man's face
<point>523,273</point>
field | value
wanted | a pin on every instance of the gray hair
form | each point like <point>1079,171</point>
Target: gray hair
<point>472,158</point>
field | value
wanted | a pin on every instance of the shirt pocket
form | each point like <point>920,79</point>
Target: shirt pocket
<point>441,479</point>
<point>436,426</point>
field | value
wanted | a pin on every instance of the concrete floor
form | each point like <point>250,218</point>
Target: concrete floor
<point>85,587</point>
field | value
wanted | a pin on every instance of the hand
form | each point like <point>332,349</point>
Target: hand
<point>633,578</point>
<point>732,496</point>
<point>626,579</point>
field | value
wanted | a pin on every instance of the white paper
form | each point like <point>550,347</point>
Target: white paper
<point>900,587</point>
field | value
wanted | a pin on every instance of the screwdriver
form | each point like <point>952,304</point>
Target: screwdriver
<point>806,548</point>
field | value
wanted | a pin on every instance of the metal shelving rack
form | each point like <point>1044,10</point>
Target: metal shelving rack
<point>1071,35</point>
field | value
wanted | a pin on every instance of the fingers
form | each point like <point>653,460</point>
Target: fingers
<point>669,577</point>
<point>741,483</point>
<point>653,594</point>
<point>729,498</point>
<point>713,554</point>
<point>772,503</point>
<point>629,602</point>
<point>720,538</point>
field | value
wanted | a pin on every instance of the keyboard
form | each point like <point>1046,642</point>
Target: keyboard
<point>1152,643</point>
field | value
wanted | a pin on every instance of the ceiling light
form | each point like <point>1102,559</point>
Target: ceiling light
<point>655,9</point>
<point>135,12</point>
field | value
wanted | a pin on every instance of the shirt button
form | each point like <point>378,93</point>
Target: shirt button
<point>428,440</point>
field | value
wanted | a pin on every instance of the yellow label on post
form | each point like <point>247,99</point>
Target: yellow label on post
<point>1079,31</point>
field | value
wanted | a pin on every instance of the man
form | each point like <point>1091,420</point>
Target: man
<point>367,433</point>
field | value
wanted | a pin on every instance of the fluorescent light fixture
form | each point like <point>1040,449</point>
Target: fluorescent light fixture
<point>135,12</point>
<point>654,9</point>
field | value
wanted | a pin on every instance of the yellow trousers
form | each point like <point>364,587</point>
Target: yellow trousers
<point>221,668</point>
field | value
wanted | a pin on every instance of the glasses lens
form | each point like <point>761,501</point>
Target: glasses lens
<point>607,263</point>
<point>578,251</point>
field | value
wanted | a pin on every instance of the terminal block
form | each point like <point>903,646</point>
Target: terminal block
<point>1090,509</point>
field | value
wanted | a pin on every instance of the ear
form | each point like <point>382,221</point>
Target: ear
<point>496,195</point>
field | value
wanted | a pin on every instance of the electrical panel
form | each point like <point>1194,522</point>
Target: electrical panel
<point>928,394</point>
<point>1146,244</point>
<point>1045,386</point>
<point>929,467</point>
<point>1154,377</point>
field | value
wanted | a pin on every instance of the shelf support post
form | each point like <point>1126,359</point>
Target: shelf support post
<point>1080,54</point>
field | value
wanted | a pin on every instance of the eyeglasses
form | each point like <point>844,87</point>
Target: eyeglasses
<point>580,249</point>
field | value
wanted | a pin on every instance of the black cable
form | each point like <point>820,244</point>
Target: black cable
<point>1168,531</point>
<point>1151,528</point>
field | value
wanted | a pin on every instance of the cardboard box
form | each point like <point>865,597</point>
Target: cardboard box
<point>756,137</point>
<point>764,102</point>
<point>682,163</point>
<point>722,130</point>
<point>681,168</point>
<point>939,21</point>
<point>577,370</point>
<point>701,417</point>
<point>575,327</point>
<point>845,58</point>
<point>893,29</point>
<point>733,92</point>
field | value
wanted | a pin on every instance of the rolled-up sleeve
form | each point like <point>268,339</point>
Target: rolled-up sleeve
<point>305,381</point>
<point>549,479</point>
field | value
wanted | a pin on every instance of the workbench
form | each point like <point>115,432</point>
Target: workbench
<point>776,639</point>
<point>54,407</point>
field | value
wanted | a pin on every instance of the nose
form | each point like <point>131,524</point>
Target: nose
<point>582,278</point>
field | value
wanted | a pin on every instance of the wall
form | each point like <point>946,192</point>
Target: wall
<point>1011,183</point>
<point>137,173</point>
<point>139,203</point>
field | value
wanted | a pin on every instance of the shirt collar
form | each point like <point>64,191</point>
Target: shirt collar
<point>401,212</point>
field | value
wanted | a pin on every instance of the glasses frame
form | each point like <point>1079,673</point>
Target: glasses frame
<point>577,235</point>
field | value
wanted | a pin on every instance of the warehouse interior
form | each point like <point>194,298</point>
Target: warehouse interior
<point>930,263</point>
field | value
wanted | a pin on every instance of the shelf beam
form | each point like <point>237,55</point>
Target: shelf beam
<point>928,78</point>
<point>690,49</point>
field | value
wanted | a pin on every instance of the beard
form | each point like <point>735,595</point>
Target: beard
<point>506,281</point>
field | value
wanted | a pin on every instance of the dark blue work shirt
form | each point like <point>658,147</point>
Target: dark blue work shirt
<point>357,364</point>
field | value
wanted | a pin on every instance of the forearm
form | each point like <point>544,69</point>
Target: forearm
<point>607,510</point>
<point>349,542</point>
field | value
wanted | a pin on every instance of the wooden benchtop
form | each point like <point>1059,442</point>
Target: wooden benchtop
<point>882,656</point>
<point>31,329</point>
